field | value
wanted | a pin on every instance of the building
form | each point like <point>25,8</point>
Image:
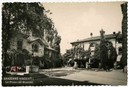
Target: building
<point>28,39</point>
<point>89,43</point>
<point>36,46</point>
<point>30,43</point>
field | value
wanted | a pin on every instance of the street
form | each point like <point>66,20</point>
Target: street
<point>68,76</point>
<point>114,77</point>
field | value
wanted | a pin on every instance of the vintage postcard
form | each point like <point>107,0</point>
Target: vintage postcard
<point>64,44</point>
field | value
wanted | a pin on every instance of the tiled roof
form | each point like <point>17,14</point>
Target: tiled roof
<point>96,38</point>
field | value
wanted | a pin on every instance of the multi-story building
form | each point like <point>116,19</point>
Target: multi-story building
<point>89,43</point>
<point>36,46</point>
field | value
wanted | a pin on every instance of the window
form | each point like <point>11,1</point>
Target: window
<point>35,48</point>
<point>19,44</point>
<point>91,44</point>
<point>120,50</point>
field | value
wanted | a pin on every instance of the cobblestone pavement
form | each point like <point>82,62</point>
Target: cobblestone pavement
<point>114,77</point>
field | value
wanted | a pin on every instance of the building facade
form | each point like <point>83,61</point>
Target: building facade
<point>90,43</point>
<point>37,47</point>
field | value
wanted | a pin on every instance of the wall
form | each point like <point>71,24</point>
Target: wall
<point>26,45</point>
<point>87,44</point>
<point>40,52</point>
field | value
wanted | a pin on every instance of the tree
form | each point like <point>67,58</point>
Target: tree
<point>23,17</point>
<point>97,52</point>
<point>103,51</point>
<point>124,34</point>
<point>17,17</point>
<point>57,43</point>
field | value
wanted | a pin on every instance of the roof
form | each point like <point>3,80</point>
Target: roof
<point>42,42</point>
<point>96,38</point>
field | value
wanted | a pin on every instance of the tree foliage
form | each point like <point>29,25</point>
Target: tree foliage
<point>17,17</point>
<point>22,17</point>
<point>97,52</point>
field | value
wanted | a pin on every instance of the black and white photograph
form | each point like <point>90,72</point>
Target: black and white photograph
<point>64,44</point>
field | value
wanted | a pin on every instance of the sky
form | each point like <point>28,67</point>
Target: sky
<point>75,21</point>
